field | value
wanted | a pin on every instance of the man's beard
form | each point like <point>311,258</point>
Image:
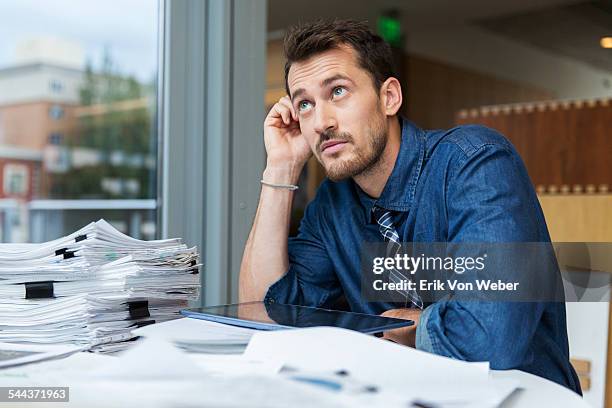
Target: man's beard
<point>363,160</point>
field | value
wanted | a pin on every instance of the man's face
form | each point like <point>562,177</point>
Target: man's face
<point>339,112</point>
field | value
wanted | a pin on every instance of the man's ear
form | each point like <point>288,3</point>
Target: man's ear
<point>391,96</point>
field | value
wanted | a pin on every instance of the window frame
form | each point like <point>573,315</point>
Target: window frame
<point>211,109</point>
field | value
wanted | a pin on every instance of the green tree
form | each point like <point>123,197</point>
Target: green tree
<point>120,125</point>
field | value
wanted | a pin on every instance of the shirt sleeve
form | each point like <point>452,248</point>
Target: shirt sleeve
<point>489,199</point>
<point>311,279</point>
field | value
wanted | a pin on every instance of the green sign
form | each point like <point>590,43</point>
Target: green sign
<point>390,30</point>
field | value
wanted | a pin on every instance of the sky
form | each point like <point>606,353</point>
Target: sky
<point>128,28</point>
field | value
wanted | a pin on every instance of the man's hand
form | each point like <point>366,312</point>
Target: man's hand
<point>266,254</point>
<point>403,335</point>
<point>285,145</point>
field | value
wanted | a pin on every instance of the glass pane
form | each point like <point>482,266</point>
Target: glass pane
<point>78,135</point>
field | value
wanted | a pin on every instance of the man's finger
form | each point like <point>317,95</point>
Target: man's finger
<point>389,337</point>
<point>285,101</point>
<point>283,112</point>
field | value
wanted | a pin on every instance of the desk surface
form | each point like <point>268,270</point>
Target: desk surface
<point>148,388</point>
<point>538,392</point>
<point>534,392</point>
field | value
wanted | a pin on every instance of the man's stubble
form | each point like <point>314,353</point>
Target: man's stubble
<point>364,161</point>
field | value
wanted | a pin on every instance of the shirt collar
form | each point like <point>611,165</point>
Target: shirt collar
<point>398,193</point>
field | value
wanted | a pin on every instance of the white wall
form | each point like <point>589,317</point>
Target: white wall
<point>475,48</point>
<point>27,84</point>
<point>587,325</point>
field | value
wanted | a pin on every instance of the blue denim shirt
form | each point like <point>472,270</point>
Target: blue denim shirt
<point>466,184</point>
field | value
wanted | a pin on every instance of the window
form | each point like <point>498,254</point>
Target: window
<point>16,179</point>
<point>87,130</point>
<point>55,139</point>
<point>56,86</point>
<point>56,112</point>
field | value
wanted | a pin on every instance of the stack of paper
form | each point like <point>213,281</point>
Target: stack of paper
<point>92,287</point>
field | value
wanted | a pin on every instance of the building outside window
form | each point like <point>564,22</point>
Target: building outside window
<point>56,86</point>
<point>78,111</point>
<point>16,179</point>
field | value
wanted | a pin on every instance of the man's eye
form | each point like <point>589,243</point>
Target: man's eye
<point>303,105</point>
<point>339,91</point>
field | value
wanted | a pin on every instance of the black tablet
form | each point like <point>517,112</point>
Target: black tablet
<point>274,316</point>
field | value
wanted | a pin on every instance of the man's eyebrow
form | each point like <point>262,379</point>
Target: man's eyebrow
<point>297,93</point>
<point>324,83</point>
<point>331,79</point>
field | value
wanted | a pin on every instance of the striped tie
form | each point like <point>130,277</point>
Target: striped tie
<point>384,218</point>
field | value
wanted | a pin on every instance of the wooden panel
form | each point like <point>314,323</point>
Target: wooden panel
<point>585,382</point>
<point>275,72</point>
<point>275,65</point>
<point>578,217</point>
<point>272,96</point>
<point>435,91</point>
<point>566,146</point>
<point>583,369</point>
<point>581,366</point>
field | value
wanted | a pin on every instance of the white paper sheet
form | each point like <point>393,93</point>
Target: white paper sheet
<point>150,359</point>
<point>387,363</point>
<point>412,374</point>
<point>200,335</point>
<point>17,354</point>
<point>156,374</point>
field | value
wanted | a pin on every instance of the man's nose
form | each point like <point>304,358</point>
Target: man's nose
<point>325,119</point>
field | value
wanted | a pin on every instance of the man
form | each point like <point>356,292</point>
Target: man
<point>463,185</point>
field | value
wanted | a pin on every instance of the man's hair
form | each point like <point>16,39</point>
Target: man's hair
<point>373,53</point>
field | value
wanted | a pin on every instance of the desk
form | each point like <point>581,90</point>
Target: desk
<point>535,392</point>
<point>156,374</point>
<point>538,392</point>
